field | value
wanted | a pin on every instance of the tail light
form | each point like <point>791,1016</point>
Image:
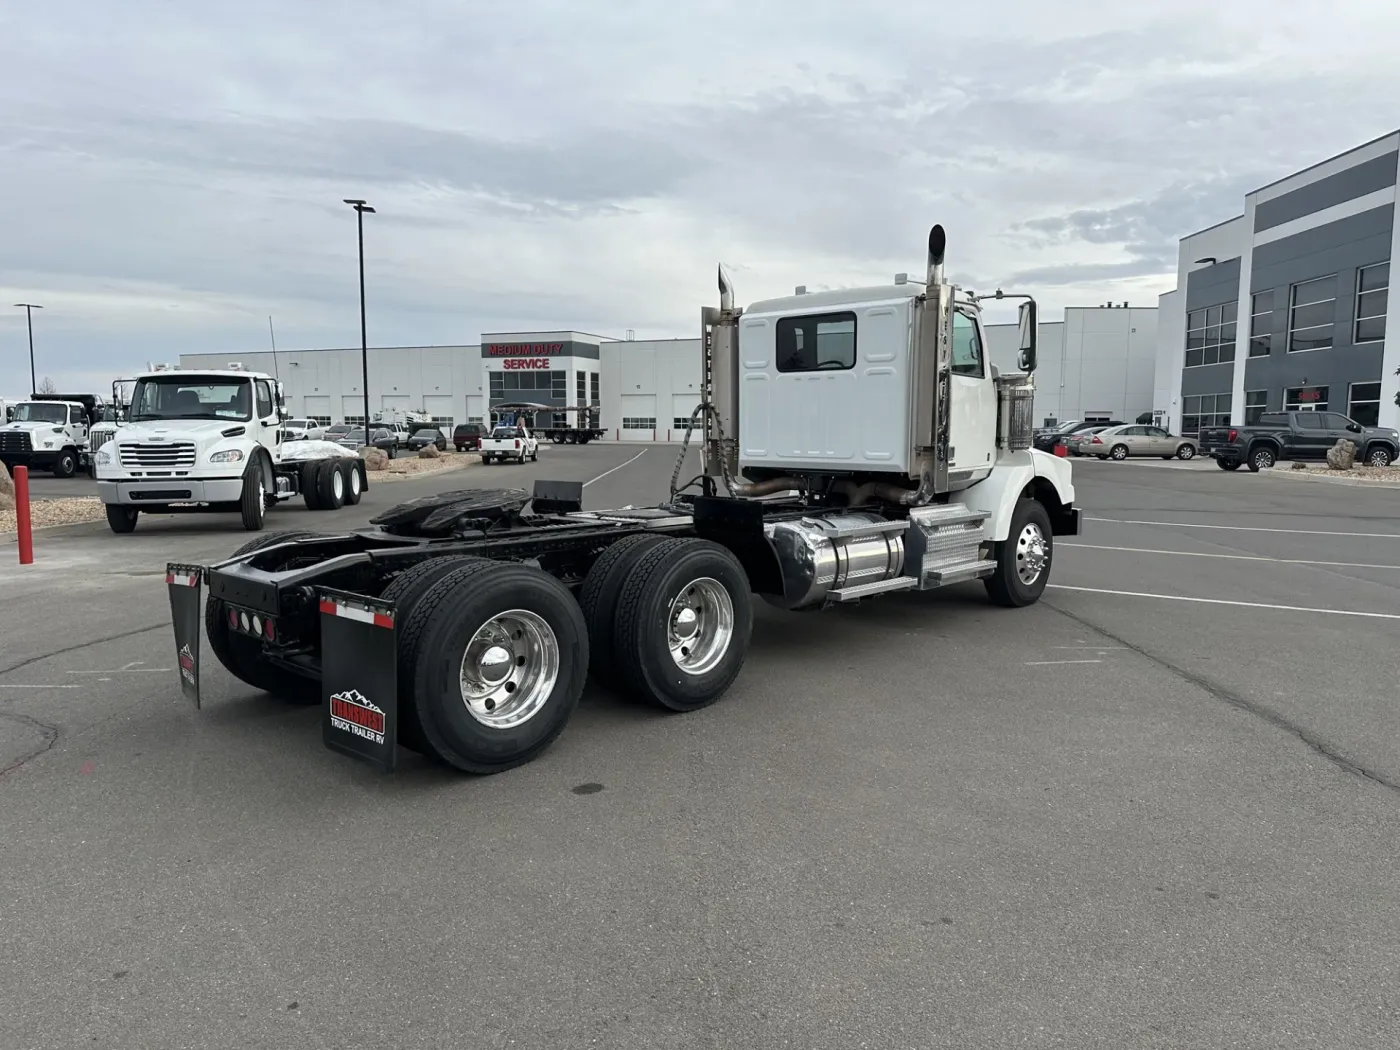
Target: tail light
<point>1096,440</point>
<point>1233,434</point>
<point>269,630</point>
<point>233,618</point>
<point>517,443</point>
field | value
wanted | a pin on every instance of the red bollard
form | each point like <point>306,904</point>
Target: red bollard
<point>23,528</point>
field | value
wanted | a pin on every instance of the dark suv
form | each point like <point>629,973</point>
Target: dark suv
<point>467,436</point>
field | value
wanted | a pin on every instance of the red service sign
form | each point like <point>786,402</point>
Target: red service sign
<point>522,349</point>
<point>526,363</point>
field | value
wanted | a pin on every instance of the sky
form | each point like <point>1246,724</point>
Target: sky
<point>171,174</point>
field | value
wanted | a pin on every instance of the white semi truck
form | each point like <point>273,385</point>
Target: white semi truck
<point>857,442</point>
<point>213,441</point>
<point>50,432</point>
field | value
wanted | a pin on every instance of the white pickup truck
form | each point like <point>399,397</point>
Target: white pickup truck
<point>509,442</point>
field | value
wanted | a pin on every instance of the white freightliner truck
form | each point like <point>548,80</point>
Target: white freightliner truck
<point>50,432</point>
<point>213,441</point>
<point>855,442</point>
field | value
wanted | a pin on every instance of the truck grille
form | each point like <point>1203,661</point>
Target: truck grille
<point>99,436</point>
<point>144,454</point>
<point>15,441</point>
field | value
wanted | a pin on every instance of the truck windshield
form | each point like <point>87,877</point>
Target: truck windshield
<point>39,412</point>
<point>192,397</point>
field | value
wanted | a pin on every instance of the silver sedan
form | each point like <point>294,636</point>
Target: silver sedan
<point>1139,440</point>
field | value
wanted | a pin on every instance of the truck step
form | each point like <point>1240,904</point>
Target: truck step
<point>855,532</point>
<point>958,573</point>
<point>865,590</point>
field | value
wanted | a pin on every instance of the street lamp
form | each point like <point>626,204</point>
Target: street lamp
<point>29,309</point>
<point>360,208</point>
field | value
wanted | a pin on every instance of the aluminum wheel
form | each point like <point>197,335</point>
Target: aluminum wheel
<point>354,481</point>
<point>1379,458</point>
<point>509,669</point>
<point>1032,553</point>
<point>700,626</point>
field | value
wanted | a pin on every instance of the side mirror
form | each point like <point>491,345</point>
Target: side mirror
<point>1355,428</point>
<point>1026,321</point>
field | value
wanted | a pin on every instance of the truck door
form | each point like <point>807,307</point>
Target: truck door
<point>973,408</point>
<point>265,420</point>
<point>77,424</point>
<point>1309,436</point>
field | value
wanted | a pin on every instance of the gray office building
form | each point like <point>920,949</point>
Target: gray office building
<point>1287,306</point>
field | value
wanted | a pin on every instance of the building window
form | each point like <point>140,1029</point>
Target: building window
<point>1256,403</point>
<point>1305,399</point>
<point>1204,410</point>
<point>323,421</point>
<point>817,342</point>
<point>581,387</point>
<point>354,421</point>
<point>1210,335</point>
<point>638,422</point>
<point>559,385</point>
<point>681,422</point>
<point>1364,404</point>
<point>1261,323</point>
<point>561,419</point>
<point>593,381</point>
<point>497,382</point>
<point>1312,311</point>
<point>443,422</point>
<point>1372,298</point>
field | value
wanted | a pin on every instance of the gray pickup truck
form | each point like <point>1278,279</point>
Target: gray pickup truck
<point>1296,435</point>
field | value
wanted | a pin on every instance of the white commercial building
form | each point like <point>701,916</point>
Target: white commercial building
<point>1098,363</point>
<point>1286,306</point>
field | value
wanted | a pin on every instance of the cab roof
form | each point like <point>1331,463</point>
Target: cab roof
<point>185,373</point>
<point>809,301</point>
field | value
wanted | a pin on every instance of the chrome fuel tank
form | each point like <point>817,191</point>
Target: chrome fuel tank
<point>824,553</point>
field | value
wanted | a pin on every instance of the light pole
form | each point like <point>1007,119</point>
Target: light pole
<point>29,309</point>
<point>360,208</point>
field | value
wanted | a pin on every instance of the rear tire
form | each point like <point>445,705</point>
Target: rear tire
<point>252,503</point>
<point>1186,452</point>
<point>242,656</point>
<point>1024,558</point>
<point>330,484</point>
<point>500,661</point>
<point>1119,452</point>
<point>683,624</point>
<point>354,482</point>
<point>598,599</point>
<point>1261,458</point>
<point>1228,464</point>
<point>121,519</point>
<point>306,479</point>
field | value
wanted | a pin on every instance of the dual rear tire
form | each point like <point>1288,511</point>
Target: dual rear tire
<point>329,484</point>
<point>494,656</point>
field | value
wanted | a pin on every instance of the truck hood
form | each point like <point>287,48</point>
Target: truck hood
<point>29,427</point>
<point>200,431</point>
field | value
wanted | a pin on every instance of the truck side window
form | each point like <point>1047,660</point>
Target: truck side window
<point>967,347</point>
<point>264,399</point>
<point>817,342</point>
<point>1309,421</point>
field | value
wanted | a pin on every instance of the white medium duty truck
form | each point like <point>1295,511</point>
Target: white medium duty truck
<point>50,432</point>
<point>856,443</point>
<point>199,441</point>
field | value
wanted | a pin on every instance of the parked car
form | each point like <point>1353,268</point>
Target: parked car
<point>1075,442</point>
<point>467,436</point>
<point>337,432</point>
<point>1137,440</point>
<point>1047,440</point>
<point>304,430</point>
<point>1297,435</point>
<point>380,437</point>
<point>427,435</point>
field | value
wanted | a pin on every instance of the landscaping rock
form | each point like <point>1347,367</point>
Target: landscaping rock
<point>429,452</point>
<point>1342,455</point>
<point>375,458</point>
<point>1299,465</point>
<point>7,488</point>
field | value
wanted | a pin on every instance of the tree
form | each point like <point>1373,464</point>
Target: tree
<point>46,386</point>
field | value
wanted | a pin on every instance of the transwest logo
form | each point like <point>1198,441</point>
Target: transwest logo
<point>352,713</point>
<point>187,664</point>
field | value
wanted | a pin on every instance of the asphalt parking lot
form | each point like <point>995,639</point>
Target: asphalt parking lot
<point>1158,809</point>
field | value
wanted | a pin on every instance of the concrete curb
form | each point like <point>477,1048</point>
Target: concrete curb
<point>1317,475</point>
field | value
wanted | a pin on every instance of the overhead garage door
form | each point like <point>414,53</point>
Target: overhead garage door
<point>638,417</point>
<point>396,407</point>
<point>682,406</point>
<point>317,407</point>
<point>352,408</point>
<point>439,406</point>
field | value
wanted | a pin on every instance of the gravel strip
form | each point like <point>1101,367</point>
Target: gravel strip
<point>67,510</point>
<point>1357,475</point>
<point>412,467</point>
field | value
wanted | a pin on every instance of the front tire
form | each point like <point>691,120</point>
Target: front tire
<point>1023,558</point>
<point>683,622</point>
<point>120,519</point>
<point>501,657</point>
<point>1262,458</point>
<point>66,465</point>
<point>252,503</point>
<point>1378,457</point>
<point>1186,452</point>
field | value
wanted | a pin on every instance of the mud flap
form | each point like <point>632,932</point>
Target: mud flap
<point>359,677</point>
<point>184,584</point>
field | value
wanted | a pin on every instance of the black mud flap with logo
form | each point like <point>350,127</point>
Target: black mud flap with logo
<point>184,584</point>
<point>359,677</point>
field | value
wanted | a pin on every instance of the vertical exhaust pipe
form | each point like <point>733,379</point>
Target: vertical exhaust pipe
<point>726,290</point>
<point>937,244</point>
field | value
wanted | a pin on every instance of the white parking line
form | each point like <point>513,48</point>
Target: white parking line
<point>1252,528</point>
<point>1234,557</point>
<point>605,473</point>
<point>4,686</point>
<point>1223,601</point>
<point>1055,663</point>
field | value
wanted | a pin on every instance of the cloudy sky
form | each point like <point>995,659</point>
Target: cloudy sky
<point>171,173</point>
